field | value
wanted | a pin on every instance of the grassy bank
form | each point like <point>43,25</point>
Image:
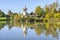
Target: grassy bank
<point>2,18</point>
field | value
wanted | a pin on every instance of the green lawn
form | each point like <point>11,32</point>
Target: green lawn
<point>2,18</point>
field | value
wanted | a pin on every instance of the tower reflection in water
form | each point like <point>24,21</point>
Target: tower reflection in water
<point>24,29</point>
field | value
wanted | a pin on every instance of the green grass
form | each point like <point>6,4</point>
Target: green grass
<point>2,18</point>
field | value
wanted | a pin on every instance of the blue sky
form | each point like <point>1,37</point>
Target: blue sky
<point>17,5</point>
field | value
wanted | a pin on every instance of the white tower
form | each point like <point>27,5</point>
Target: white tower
<point>24,11</point>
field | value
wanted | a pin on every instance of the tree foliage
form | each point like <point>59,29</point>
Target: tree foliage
<point>10,12</point>
<point>2,14</point>
<point>39,11</point>
<point>51,10</point>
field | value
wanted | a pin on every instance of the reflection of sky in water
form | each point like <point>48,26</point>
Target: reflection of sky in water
<point>17,34</point>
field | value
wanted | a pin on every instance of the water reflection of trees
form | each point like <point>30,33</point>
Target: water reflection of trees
<point>2,24</point>
<point>46,28</point>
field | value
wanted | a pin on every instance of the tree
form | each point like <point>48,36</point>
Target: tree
<point>19,16</point>
<point>53,7</point>
<point>10,13</point>
<point>59,10</point>
<point>39,11</point>
<point>46,9</point>
<point>2,14</point>
<point>51,10</point>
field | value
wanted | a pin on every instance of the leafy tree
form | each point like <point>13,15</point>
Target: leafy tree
<point>57,15</point>
<point>39,11</point>
<point>19,16</point>
<point>53,7</point>
<point>10,13</point>
<point>46,9</point>
<point>2,14</point>
<point>59,10</point>
<point>51,10</point>
<point>15,16</point>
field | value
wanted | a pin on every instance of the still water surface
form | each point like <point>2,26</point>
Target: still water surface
<point>32,31</point>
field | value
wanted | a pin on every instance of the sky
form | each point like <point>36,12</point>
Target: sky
<point>17,5</point>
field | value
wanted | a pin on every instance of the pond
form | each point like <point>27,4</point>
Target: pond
<point>29,31</point>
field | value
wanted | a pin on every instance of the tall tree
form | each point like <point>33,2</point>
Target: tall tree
<point>59,10</point>
<point>2,14</point>
<point>53,7</point>
<point>10,13</point>
<point>39,11</point>
<point>46,9</point>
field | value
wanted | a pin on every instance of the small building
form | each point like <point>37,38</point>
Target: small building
<point>32,14</point>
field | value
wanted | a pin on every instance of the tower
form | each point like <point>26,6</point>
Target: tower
<point>24,11</point>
